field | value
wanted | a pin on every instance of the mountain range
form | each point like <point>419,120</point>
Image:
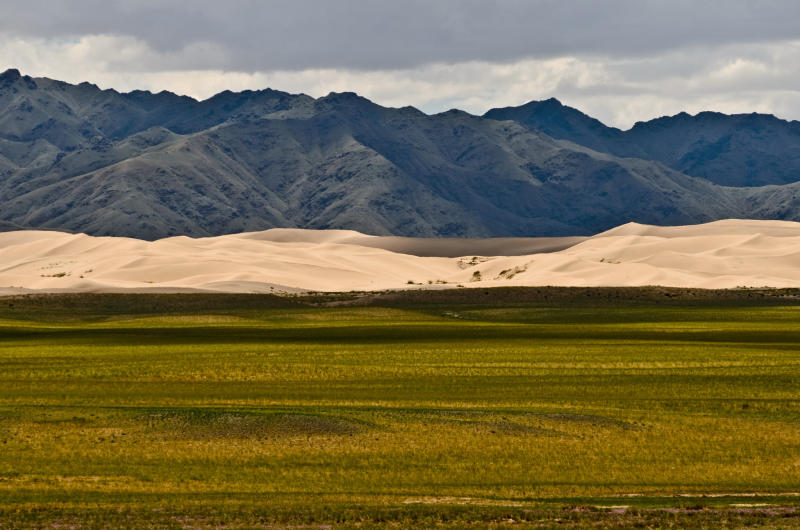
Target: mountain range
<point>78,158</point>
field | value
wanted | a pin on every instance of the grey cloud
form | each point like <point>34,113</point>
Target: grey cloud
<point>253,35</point>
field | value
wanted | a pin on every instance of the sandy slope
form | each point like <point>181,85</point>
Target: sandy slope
<point>447,247</point>
<point>715,255</point>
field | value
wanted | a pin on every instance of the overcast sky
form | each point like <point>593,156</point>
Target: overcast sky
<point>618,60</point>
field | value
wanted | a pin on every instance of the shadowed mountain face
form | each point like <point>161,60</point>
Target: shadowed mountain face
<point>77,158</point>
<point>737,150</point>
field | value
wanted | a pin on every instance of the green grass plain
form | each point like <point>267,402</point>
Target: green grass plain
<point>551,406</point>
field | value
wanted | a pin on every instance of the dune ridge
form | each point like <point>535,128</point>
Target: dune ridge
<point>723,254</point>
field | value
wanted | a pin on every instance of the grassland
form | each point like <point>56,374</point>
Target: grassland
<point>547,406</point>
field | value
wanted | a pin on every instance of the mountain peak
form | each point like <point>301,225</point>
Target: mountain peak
<point>9,77</point>
<point>344,100</point>
<point>343,96</point>
<point>453,113</point>
<point>541,104</point>
<point>551,101</point>
<point>12,74</point>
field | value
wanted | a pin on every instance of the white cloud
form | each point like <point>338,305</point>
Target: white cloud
<point>761,77</point>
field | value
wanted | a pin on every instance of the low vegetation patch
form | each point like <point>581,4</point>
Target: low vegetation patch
<point>212,423</point>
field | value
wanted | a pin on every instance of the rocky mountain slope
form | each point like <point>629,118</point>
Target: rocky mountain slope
<point>77,158</point>
<point>737,150</point>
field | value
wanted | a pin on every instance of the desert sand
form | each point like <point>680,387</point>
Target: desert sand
<point>723,254</point>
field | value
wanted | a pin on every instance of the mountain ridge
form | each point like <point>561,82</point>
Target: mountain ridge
<point>742,150</point>
<point>138,164</point>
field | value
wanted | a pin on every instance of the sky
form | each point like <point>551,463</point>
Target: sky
<point>620,61</point>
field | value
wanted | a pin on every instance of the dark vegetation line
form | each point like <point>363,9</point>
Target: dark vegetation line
<point>87,304</point>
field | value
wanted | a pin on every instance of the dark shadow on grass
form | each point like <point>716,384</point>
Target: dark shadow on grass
<point>389,334</point>
<point>200,423</point>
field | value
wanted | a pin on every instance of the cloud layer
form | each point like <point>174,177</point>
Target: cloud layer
<point>620,60</point>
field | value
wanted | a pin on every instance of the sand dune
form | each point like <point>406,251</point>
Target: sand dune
<point>722,254</point>
<point>447,247</point>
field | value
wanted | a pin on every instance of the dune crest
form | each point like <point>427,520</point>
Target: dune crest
<point>722,254</point>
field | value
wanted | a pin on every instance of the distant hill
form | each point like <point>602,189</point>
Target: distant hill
<point>738,150</point>
<point>82,159</point>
